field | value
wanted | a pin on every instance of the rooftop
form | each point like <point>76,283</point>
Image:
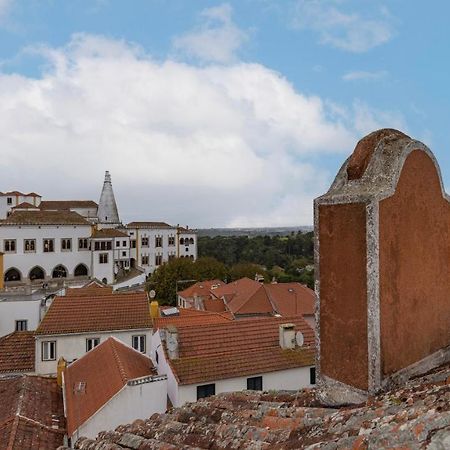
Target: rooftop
<point>191,317</point>
<point>17,352</point>
<point>123,364</point>
<point>83,314</point>
<point>44,218</point>
<point>58,205</point>
<point>416,416</point>
<point>149,225</point>
<point>238,348</point>
<point>31,194</point>
<point>201,288</point>
<point>25,205</point>
<point>32,414</point>
<point>108,233</point>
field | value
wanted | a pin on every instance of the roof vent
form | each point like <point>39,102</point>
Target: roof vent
<point>287,336</point>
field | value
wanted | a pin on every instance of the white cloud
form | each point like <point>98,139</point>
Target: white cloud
<point>217,39</point>
<point>5,6</point>
<point>214,145</point>
<point>365,76</point>
<point>346,31</point>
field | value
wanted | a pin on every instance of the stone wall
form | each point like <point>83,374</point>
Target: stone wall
<point>382,268</point>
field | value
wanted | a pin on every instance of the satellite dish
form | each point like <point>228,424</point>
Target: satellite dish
<point>299,338</point>
<point>152,293</point>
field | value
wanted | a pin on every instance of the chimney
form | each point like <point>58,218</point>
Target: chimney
<point>172,342</point>
<point>287,336</point>
<point>62,364</point>
<point>154,309</point>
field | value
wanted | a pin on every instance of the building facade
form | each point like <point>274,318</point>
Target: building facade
<point>54,241</point>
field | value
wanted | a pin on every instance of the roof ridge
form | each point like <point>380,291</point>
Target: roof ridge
<point>12,436</point>
<point>122,371</point>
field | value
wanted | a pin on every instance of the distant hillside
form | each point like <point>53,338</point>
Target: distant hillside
<point>251,232</point>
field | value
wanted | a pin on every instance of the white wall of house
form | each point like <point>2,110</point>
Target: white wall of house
<point>25,261</point>
<point>289,379</point>
<point>73,346</point>
<point>130,403</point>
<point>12,310</point>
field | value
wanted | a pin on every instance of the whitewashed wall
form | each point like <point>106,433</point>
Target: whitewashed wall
<point>13,310</point>
<point>73,346</point>
<point>129,404</point>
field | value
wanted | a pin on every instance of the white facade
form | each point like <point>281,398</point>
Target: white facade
<point>9,200</point>
<point>13,311</point>
<point>289,379</point>
<point>73,346</point>
<point>138,399</point>
<point>25,260</point>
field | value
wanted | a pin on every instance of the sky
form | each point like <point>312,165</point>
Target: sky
<point>209,113</point>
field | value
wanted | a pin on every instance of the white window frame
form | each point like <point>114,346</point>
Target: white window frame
<point>20,325</point>
<point>92,343</point>
<point>138,342</point>
<point>48,350</point>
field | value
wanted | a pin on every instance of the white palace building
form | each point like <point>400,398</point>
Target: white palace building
<point>50,241</point>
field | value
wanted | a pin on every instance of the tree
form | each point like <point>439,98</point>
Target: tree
<point>248,270</point>
<point>208,268</point>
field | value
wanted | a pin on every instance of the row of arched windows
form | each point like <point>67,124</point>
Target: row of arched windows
<point>186,241</point>
<point>187,256</point>
<point>38,273</point>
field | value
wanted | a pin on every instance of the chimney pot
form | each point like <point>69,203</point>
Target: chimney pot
<point>287,336</point>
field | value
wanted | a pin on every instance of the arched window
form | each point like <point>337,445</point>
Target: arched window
<point>192,256</point>
<point>81,271</point>
<point>12,275</point>
<point>36,273</point>
<point>182,241</point>
<point>59,272</point>
<point>191,240</point>
<point>104,281</point>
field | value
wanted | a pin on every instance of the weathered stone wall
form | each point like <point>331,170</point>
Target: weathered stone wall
<point>382,268</point>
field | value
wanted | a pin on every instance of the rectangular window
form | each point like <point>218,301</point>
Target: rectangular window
<point>124,253</point>
<point>171,256</point>
<point>48,350</point>
<point>103,245</point>
<point>21,325</point>
<point>66,245</point>
<point>29,245</point>
<point>103,258</point>
<point>9,200</point>
<point>254,384</point>
<point>144,260</point>
<point>171,240</point>
<point>206,390</point>
<point>158,241</point>
<point>158,260</point>
<point>133,243</point>
<point>9,245</point>
<point>124,243</point>
<point>144,241</point>
<point>83,244</point>
<point>117,243</point>
<point>48,245</point>
<point>91,343</point>
<point>312,375</point>
<point>138,343</point>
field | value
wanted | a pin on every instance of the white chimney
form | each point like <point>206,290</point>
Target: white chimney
<point>172,342</point>
<point>287,336</point>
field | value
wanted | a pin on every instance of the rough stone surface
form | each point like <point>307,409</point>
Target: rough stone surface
<point>416,416</point>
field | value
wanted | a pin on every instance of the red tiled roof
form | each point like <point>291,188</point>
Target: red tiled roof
<point>31,413</point>
<point>108,233</point>
<point>191,317</point>
<point>200,289</point>
<point>291,298</point>
<point>31,194</point>
<point>25,205</point>
<point>89,290</point>
<point>17,352</point>
<point>183,230</point>
<point>44,218</point>
<point>82,314</point>
<point>64,205</point>
<point>238,348</point>
<point>214,305</point>
<point>105,370</point>
<point>149,225</point>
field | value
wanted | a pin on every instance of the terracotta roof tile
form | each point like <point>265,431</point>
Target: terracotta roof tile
<point>108,233</point>
<point>191,317</point>
<point>291,298</point>
<point>25,205</point>
<point>104,370</point>
<point>149,225</point>
<point>201,288</point>
<point>214,305</point>
<point>89,290</point>
<point>238,348</point>
<point>31,194</point>
<point>32,414</point>
<point>64,205</point>
<point>44,218</point>
<point>81,314</point>
<point>17,352</point>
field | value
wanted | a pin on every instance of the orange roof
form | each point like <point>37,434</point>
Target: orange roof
<point>149,225</point>
<point>214,305</point>
<point>17,352</point>
<point>200,289</point>
<point>59,205</point>
<point>108,233</point>
<point>25,205</point>
<point>238,348</point>
<point>291,298</point>
<point>191,316</point>
<point>83,314</point>
<point>105,370</point>
<point>89,290</point>
<point>32,413</point>
<point>30,217</point>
